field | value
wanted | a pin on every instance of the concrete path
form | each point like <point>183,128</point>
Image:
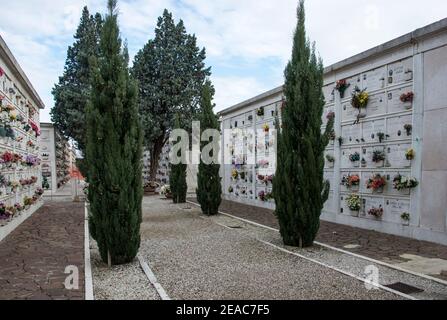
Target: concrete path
<point>34,257</point>
<point>195,258</point>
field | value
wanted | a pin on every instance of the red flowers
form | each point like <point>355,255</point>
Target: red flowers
<point>407,97</point>
<point>8,157</point>
<point>34,127</point>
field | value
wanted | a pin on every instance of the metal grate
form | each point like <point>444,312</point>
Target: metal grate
<point>404,288</point>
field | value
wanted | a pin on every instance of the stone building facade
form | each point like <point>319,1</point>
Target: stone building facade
<point>396,140</point>
<point>57,157</point>
<point>20,171</point>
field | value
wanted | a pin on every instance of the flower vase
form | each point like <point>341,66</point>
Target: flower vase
<point>356,164</point>
<point>379,164</point>
<point>331,165</point>
<point>378,190</point>
<point>354,188</point>
<point>405,223</point>
<point>408,105</point>
<point>354,213</point>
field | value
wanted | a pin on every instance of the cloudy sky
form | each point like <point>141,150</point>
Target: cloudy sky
<point>248,42</point>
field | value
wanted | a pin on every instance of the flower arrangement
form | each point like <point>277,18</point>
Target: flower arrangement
<point>34,127</point>
<point>230,189</point>
<point>408,128</point>
<point>332,136</point>
<point>266,127</point>
<point>360,98</point>
<point>166,191</point>
<point>381,136</point>
<point>400,182</point>
<point>354,157</point>
<point>234,174</point>
<point>330,115</point>
<point>27,201</point>
<point>351,180</point>
<point>376,183</point>
<point>378,155</point>
<point>30,144</point>
<point>405,216</point>
<point>376,212</point>
<point>407,97</point>
<point>410,154</point>
<point>263,163</point>
<point>354,202</point>
<point>39,192</point>
<point>31,161</point>
<point>265,196</point>
<point>330,158</point>
<point>260,112</point>
<point>19,207</point>
<point>341,87</point>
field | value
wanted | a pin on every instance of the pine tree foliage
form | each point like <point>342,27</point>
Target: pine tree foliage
<point>299,187</point>
<point>171,72</point>
<point>209,191</point>
<point>73,89</point>
<point>177,177</point>
<point>114,150</point>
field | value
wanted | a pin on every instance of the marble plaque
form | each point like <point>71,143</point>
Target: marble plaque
<point>373,202</point>
<point>348,112</point>
<point>329,93</point>
<point>390,177</point>
<point>329,205</point>
<point>395,208</point>
<point>400,71</point>
<point>374,79</point>
<point>376,105</point>
<point>346,163</point>
<point>326,111</point>
<point>351,134</point>
<point>394,102</point>
<point>370,129</point>
<point>396,155</point>
<point>395,127</point>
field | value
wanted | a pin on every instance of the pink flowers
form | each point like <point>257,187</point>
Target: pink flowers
<point>407,97</point>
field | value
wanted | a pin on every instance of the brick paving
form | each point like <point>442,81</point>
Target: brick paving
<point>35,255</point>
<point>372,244</point>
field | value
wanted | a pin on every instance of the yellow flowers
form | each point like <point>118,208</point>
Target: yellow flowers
<point>410,154</point>
<point>360,98</point>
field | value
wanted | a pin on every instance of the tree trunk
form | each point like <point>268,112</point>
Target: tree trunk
<point>156,150</point>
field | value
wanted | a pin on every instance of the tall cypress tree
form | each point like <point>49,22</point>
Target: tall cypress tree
<point>299,187</point>
<point>209,191</point>
<point>114,149</point>
<point>73,89</point>
<point>177,177</point>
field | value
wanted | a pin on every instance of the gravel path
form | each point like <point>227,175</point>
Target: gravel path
<point>194,258</point>
<point>346,262</point>
<point>126,282</point>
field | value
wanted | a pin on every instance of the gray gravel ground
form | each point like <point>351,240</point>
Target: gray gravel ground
<point>345,262</point>
<point>126,282</point>
<point>194,258</point>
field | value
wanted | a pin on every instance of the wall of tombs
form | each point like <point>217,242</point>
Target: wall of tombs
<point>386,161</point>
<point>20,172</point>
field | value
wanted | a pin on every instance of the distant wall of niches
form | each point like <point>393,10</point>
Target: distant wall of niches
<point>387,159</point>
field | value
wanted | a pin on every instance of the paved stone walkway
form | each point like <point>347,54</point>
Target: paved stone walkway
<point>35,255</point>
<point>376,245</point>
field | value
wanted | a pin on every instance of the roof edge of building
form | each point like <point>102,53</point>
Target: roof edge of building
<point>408,38</point>
<point>19,73</point>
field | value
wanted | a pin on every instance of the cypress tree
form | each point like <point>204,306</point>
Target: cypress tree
<point>177,177</point>
<point>114,150</point>
<point>209,191</point>
<point>299,187</point>
<point>73,89</point>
